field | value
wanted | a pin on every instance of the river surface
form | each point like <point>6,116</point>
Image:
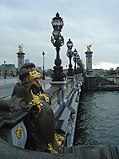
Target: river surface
<point>98,119</point>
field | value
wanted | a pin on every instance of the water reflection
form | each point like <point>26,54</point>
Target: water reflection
<point>98,119</point>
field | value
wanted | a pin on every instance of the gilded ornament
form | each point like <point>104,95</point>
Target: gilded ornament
<point>89,48</point>
<point>51,149</point>
<point>36,101</point>
<point>21,48</point>
<point>34,76</point>
<point>43,96</point>
<point>59,140</point>
<point>19,132</point>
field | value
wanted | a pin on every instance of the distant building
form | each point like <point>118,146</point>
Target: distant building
<point>8,70</point>
<point>26,60</point>
<point>95,72</point>
<point>39,69</point>
<point>98,72</point>
<point>117,69</point>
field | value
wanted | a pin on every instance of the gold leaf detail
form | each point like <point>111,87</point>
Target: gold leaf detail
<point>19,132</point>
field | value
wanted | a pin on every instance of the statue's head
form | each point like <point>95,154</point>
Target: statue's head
<point>29,72</point>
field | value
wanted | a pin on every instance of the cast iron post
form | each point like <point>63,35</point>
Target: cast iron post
<point>70,54</point>
<point>43,53</point>
<point>75,60</point>
<point>57,41</point>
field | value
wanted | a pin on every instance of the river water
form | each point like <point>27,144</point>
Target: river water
<point>98,119</point>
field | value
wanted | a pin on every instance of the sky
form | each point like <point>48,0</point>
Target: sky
<point>28,22</point>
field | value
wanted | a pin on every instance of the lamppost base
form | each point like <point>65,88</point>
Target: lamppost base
<point>58,74</point>
<point>43,78</point>
<point>70,72</point>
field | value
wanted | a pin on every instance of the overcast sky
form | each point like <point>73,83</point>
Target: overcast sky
<point>28,22</point>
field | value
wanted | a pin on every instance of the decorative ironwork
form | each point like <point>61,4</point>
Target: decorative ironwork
<point>19,132</point>
<point>75,60</point>
<point>70,54</point>
<point>57,41</point>
<point>79,64</point>
<point>21,47</point>
<point>43,77</point>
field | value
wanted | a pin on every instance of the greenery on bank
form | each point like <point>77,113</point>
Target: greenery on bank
<point>112,71</point>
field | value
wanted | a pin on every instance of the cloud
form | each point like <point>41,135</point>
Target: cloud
<point>105,65</point>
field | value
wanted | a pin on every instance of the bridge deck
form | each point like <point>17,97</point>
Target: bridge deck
<point>76,152</point>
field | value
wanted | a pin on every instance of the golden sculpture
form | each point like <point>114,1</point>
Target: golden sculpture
<point>88,48</point>
<point>33,78</point>
<point>19,132</point>
<point>21,48</point>
<point>36,101</point>
<point>40,121</point>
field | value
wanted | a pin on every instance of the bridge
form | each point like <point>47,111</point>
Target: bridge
<point>64,92</point>
<point>64,98</point>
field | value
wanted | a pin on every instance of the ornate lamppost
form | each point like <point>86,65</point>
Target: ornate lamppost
<point>43,53</point>
<point>5,72</point>
<point>75,60</point>
<point>70,54</point>
<point>57,41</point>
<point>79,64</point>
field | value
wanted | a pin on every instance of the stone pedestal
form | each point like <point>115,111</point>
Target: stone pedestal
<point>88,60</point>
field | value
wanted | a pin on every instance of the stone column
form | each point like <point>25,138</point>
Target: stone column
<point>20,56</point>
<point>88,58</point>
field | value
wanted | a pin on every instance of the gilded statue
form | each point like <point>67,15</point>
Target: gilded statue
<point>28,95</point>
<point>21,48</point>
<point>89,48</point>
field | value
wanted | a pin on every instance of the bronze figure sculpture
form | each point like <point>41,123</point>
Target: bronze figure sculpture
<point>28,95</point>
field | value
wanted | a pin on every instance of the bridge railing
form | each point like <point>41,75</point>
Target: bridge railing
<point>64,105</point>
<point>65,99</point>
